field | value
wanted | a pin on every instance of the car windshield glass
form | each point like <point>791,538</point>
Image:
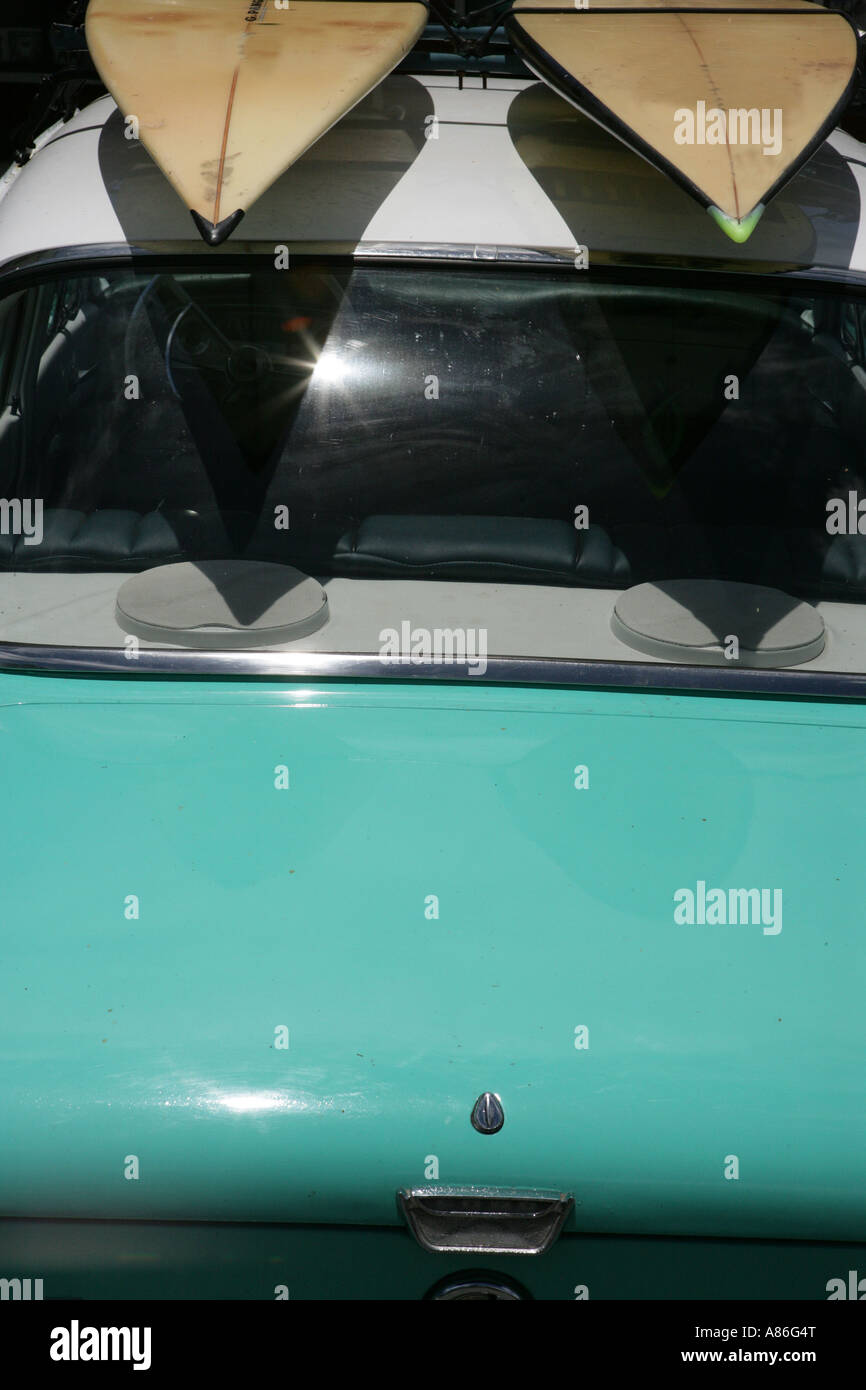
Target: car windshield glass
<point>333,458</point>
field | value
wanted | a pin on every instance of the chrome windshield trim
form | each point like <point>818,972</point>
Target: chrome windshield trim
<point>460,253</point>
<point>456,253</point>
<point>430,253</point>
<point>502,670</point>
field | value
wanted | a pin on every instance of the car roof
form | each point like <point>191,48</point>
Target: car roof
<point>483,166</point>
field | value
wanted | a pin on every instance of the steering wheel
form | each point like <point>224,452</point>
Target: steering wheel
<point>194,343</point>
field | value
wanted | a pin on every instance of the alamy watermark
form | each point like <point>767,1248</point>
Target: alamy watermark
<point>77,1343</point>
<point>846,516</point>
<point>852,1288</point>
<point>755,907</point>
<point>21,1290</point>
<point>22,516</point>
<point>737,126</point>
<point>424,646</point>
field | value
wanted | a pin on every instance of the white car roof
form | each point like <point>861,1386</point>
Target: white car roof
<point>435,162</point>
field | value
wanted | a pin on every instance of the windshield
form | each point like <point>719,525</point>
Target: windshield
<point>336,458</point>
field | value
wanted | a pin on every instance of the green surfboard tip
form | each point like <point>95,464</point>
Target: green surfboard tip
<point>739,229</point>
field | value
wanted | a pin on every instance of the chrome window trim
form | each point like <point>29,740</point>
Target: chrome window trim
<point>34,659</point>
<point>439,253</point>
<point>457,253</point>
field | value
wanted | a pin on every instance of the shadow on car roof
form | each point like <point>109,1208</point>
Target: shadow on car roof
<point>342,180</point>
<point>613,200</point>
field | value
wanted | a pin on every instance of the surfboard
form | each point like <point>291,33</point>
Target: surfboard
<point>614,200</point>
<point>729,98</point>
<point>226,94</point>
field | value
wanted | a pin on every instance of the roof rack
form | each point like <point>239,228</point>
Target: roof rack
<point>463,37</point>
<point>483,51</point>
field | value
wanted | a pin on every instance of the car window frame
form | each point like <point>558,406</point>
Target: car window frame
<point>532,671</point>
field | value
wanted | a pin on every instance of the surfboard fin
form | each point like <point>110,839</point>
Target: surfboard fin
<point>739,229</point>
<point>215,235</point>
